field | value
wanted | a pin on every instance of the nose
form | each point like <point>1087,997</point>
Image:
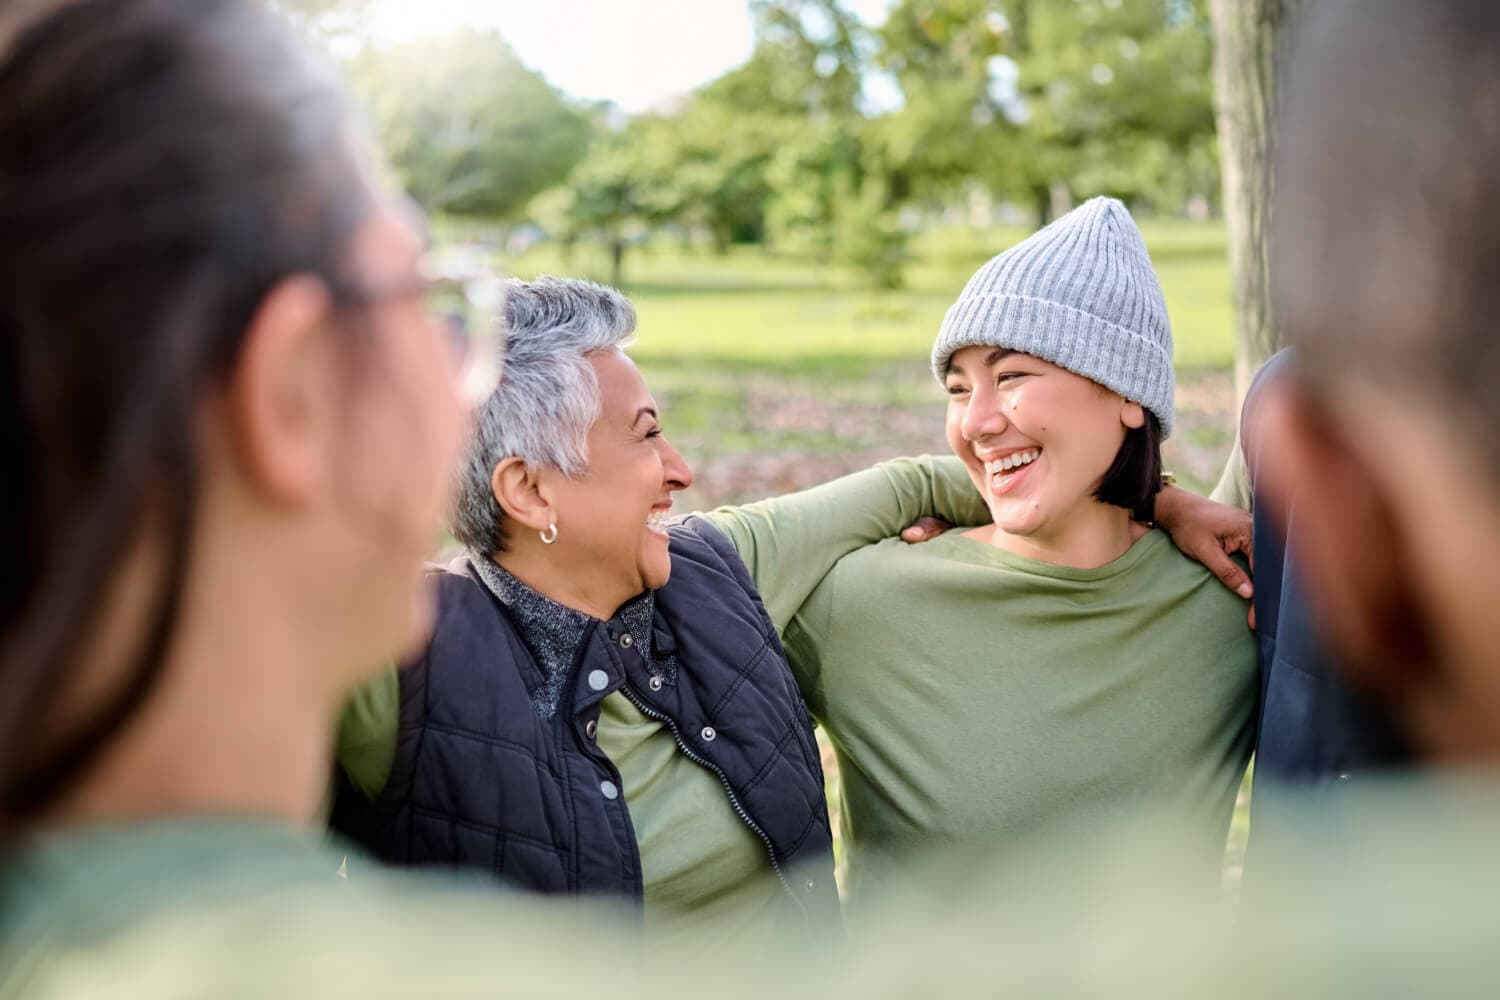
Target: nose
<point>676,471</point>
<point>982,416</point>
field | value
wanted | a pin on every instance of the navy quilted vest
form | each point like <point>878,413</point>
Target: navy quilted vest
<point>481,781</point>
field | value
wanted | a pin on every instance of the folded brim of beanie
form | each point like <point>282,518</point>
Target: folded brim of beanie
<point>1116,357</point>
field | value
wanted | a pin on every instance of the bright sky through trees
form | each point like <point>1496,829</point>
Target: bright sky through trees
<point>637,53</point>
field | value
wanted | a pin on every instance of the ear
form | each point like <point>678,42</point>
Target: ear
<point>1132,415</point>
<point>521,494</point>
<point>280,395</point>
<point>1349,541</point>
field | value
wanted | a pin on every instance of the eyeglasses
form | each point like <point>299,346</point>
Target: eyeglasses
<point>463,299</point>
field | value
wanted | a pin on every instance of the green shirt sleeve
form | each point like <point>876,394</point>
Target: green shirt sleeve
<point>1234,485</point>
<point>367,733</point>
<point>791,542</point>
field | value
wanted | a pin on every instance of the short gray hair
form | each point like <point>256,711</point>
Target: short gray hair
<point>548,397</point>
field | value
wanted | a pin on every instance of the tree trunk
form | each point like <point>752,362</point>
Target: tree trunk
<point>1041,197</point>
<point>1249,40</point>
<point>617,262</point>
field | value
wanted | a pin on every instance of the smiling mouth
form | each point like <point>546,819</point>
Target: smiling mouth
<point>658,521</point>
<point>1002,472</point>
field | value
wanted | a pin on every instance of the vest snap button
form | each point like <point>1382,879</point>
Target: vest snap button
<point>626,641</point>
<point>655,682</point>
<point>609,790</point>
<point>591,729</point>
<point>598,680</point>
<point>710,734</point>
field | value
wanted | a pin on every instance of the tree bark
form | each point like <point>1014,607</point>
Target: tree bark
<point>1249,41</point>
<point>1041,197</point>
<point>617,262</point>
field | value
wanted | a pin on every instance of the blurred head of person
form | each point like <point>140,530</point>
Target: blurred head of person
<point>568,479</point>
<point>1385,448</point>
<point>228,421</point>
<point>1057,360</point>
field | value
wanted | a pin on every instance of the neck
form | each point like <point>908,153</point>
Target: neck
<point>241,720</point>
<point>1093,535</point>
<point>550,572</point>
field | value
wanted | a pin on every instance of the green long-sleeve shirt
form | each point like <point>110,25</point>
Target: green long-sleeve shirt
<point>978,698</point>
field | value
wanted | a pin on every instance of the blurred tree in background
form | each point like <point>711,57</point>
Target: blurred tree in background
<point>1251,38</point>
<point>835,139</point>
<point>472,131</point>
<point>1050,101</point>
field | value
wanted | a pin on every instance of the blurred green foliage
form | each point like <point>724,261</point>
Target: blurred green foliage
<point>834,141</point>
<point>470,129</point>
<point>749,309</point>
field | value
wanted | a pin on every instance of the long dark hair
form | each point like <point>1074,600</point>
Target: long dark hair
<point>162,164</point>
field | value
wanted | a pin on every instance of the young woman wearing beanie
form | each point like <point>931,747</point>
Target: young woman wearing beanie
<point>1034,677</point>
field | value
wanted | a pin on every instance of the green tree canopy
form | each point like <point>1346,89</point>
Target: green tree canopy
<point>471,130</point>
<point>1095,96</point>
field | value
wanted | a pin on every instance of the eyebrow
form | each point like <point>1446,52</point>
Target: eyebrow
<point>645,411</point>
<point>996,356</point>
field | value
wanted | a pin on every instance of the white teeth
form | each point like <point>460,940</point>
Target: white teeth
<point>1014,461</point>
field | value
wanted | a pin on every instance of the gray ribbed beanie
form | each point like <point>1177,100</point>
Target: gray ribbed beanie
<point>1081,294</point>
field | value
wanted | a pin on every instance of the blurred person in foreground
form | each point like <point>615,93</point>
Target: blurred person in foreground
<point>1369,547</point>
<point>1318,733</point>
<point>230,423</point>
<point>604,707</point>
<point>1383,444</point>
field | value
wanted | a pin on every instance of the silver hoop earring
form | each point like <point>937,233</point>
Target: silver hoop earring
<point>550,535</point>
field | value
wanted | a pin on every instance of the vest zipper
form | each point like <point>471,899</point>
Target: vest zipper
<point>733,802</point>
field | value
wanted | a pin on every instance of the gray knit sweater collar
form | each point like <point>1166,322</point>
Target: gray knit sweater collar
<point>553,631</point>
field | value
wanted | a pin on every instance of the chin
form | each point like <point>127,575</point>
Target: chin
<point>1021,526</point>
<point>656,577</point>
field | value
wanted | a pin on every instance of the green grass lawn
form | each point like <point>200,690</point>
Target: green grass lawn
<point>850,362</point>
<point>754,310</point>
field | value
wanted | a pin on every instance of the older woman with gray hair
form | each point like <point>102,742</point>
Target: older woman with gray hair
<point>604,705</point>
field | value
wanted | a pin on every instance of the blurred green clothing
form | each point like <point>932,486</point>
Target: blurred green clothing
<point>975,697</point>
<point>789,543</point>
<point>224,906</point>
<point>698,859</point>
<point>87,880</point>
<point>1390,892</point>
<point>80,886</point>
